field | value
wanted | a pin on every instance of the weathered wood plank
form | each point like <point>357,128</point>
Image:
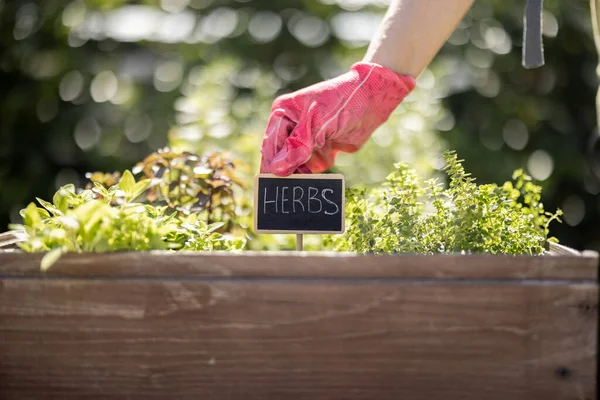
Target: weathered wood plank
<point>265,340</point>
<point>304,265</point>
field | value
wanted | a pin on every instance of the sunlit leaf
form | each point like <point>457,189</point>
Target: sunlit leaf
<point>49,206</point>
<point>214,226</point>
<point>140,187</point>
<point>50,258</point>
<point>127,183</point>
<point>62,196</point>
<point>31,216</point>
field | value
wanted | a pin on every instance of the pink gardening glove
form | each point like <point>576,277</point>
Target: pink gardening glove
<point>309,127</point>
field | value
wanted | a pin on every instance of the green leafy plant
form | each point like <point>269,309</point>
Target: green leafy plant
<point>190,183</point>
<point>173,207</point>
<point>113,219</point>
<point>407,215</point>
<point>186,183</point>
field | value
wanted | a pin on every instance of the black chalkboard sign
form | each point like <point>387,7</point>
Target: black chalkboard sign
<point>299,203</point>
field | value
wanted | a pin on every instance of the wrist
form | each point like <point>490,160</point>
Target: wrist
<point>387,78</point>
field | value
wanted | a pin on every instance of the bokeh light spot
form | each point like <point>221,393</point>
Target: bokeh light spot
<point>479,58</point>
<point>27,21</point>
<point>131,23</point>
<point>220,131</point>
<point>487,83</point>
<point>168,76</point>
<point>426,79</point>
<point>459,37</point>
<point>515,134</point>
<point>264,26</point>
<point>138,127</point>
<point>104,86</point>
<point>87,133</point>
<point>218,24</point>
<point>174,28</point>
<point>125,92</point>
<point>355,28</point>
<point>495,37</point>
<point>247,77</point>
<point>549,24</point>
<point>383,137</point>
<point>540,165</point>
<point>413,122</point>
<point>174,5</point>
<point>446,123</point>
<point>71,86</point>
<point>310,31</point>
<point>74,14</point>
<point>574,210</point>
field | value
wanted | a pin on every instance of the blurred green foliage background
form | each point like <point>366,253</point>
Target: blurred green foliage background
<point>90,85</point>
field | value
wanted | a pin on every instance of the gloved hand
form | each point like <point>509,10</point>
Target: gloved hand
<point>309,127</point>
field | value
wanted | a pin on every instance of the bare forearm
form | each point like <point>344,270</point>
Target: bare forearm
<point>413,31</point>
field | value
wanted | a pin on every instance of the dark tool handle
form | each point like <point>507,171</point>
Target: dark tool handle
<point>533,51</point>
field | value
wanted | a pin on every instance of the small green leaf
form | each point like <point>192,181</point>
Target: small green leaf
<point>127,183</point>
<point>86,195</point>
<point>214,226</point>
<point>191,219</point>
<point>16,227</point>
<point>86,211</point>
<point>48,206</point>
<point>140,187</point>
<point>100,189</point>
<point>62,196</point>
<point>50,258</point>
<point>31,216</point>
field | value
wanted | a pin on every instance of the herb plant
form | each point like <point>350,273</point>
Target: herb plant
<point>112,219</point>
<point>187,202</point>
<point>186,183</point>
<point>408,215</point>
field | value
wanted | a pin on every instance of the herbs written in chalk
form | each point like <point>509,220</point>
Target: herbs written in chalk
<point>313,202</point>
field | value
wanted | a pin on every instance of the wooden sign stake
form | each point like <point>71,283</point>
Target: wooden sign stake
<point>299,242</point>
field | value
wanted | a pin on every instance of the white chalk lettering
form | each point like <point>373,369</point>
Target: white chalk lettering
<point>337,209</point>
<point>297,199</point>
<point>312,198</point>
<point>283,199</point>
<point>265,201</point>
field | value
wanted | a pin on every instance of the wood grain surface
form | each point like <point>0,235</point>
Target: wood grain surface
<point>248,339</point>
<point>307,265</point>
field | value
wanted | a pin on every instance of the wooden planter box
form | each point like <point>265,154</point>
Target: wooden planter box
<point>299,326</point>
